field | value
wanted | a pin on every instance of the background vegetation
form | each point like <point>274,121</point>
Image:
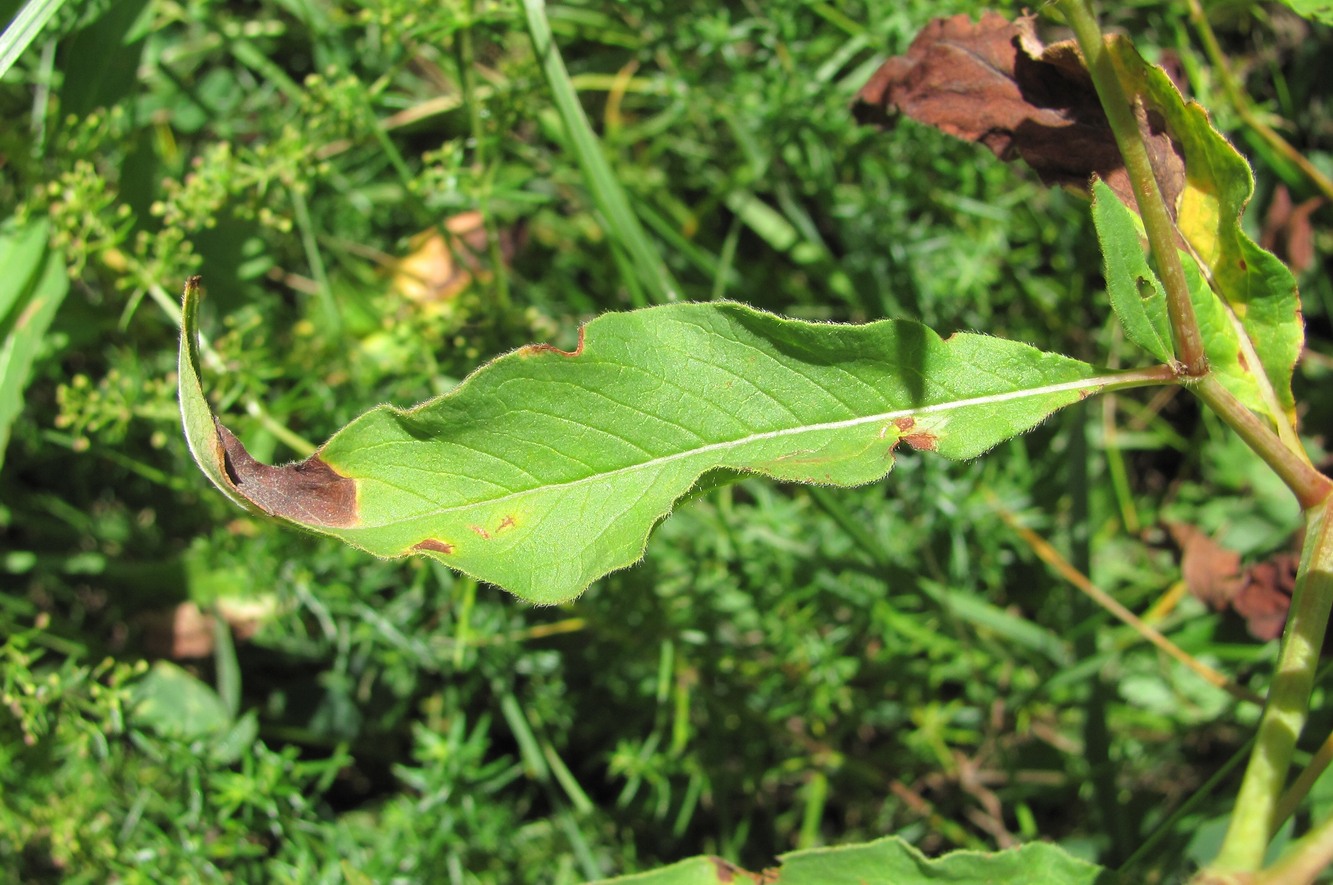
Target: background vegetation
<point>788,667</point>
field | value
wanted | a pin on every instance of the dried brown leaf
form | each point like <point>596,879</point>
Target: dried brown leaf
<point>180,632</point>
<point>1211,572</point>
<point>443,264</point>
<point>1265,597</point>
<point>1287,229</point>
<point>993,82</point>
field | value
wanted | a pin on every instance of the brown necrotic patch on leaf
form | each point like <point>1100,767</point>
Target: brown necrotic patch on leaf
<point>922,442</point>
<point>434,545</point>
<point>728,872</point>
<point>534,349</point>
<point>993,82</point>
<point>308,492</point>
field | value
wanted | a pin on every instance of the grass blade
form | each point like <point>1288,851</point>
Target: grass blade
<point>24,29</point>
<point>623,227</point>
<point>39,286</point>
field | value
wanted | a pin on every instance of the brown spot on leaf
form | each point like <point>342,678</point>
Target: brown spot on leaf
<point>728,872</point>
<point>308,492</point>
<point>534,349</point>
<point>481,532</point>
<point>923,441</point>
<point>904,424</point>
<point>433,544</point>
<point>993,82</point>
<point>507,523</point>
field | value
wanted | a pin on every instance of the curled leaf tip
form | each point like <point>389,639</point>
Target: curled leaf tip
<point>309,492</point>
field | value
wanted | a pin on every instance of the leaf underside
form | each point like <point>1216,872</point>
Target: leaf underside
<point>546,469</point>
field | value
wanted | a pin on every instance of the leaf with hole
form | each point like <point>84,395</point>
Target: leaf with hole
<point>1139,300</point>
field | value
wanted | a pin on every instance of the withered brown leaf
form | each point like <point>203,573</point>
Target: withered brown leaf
<point>1211,572</point>
<point>1264,599</point>
<point>993,82</point>
<point>1287,229</point>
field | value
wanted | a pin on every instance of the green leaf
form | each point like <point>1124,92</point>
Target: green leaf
<point>175,704</point>
<point>889,861</point>
<point>1315,10</point>
<point>1137,296</point>
<point>1255,285</point>
<point>35,286</point>
<point>1139,300</point>
<point>546,469</point>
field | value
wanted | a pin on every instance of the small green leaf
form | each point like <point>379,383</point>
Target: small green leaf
<point>1136,294</point>
<point>175,704</point>
<point>546,469</point>
<point>890,861</point>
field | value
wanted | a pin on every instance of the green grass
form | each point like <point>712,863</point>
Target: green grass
<point>788,667</point>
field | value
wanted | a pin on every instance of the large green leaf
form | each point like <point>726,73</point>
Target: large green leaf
<point>546,469</point>
<point>889,861</point>
<point>1255,285</point>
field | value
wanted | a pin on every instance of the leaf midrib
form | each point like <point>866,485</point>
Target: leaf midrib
<point>1093,382</point>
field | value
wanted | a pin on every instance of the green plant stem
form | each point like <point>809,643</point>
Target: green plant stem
<point>1305,781</point>
<point>1288,701</point>
<point>1157,223</point>
<point>1309,485</point>
<point>303,223</point>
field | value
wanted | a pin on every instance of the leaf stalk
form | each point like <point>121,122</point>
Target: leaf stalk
<point>1309,485</point>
